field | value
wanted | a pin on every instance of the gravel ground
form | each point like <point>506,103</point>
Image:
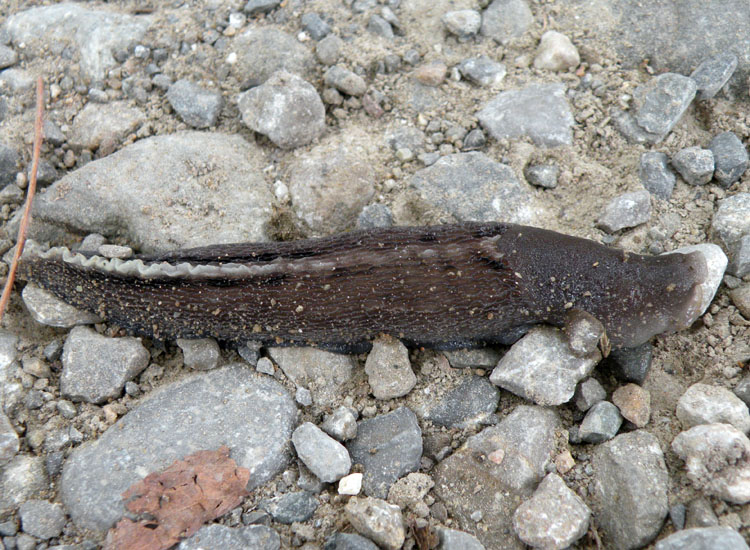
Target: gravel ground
<point>189,123</point>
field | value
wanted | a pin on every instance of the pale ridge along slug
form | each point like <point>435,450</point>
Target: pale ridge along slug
<point>443,286</point>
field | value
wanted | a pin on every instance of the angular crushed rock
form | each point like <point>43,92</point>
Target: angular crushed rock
<point>265,50</point>
<point>116,195</point>
<point>541,367</point>
<point>630,489</point>
<point>378,521</point>
<point>388,446</point>
<point>104,125</point>
<point>703,538</point>
<point>388,369</point>
<point>539,111</point>
<point>95,367</point>
<point>204,411</point>
<point>324,456</point>
<point>257,537</point>
<point>706,404</point>
<point>471,186</point>
<point>467,405</point>
<point>21,479</point>
<point>48,309</point>
<point>41,519</point>
<point>200,354</point>
<point>285,108</point>
<point>197,106</point>
<point>625,211</point>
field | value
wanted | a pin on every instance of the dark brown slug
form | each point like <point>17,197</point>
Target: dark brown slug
<point>443,286</point>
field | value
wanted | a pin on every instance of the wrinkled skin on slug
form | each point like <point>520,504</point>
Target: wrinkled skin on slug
<point>443,286</point>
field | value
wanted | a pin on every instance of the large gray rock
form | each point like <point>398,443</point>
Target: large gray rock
<point>104,125</point>
<point>257,537</point>
<point>163,192</point>
<point>396,440</point>
<point>630,489</point>
<point>703,538</point>
<point>97,34</point>
<point>285,108</point>
<point>506,19</point>
<point>321,372</point>
<point>472,187</point>
<point>263,51</point>
<point>542,368</point>
<point>330,184</point>
<point>250,413</point>
<point>96,368</point>
<point>486,477</point>
<point>539,111</point>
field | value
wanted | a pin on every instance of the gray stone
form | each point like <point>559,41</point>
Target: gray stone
<point>197,106</point>
<point>731,223</point>
<point>41,519</point>
<point>556,53</point>
<point>542,368</point>
<point>537,525</point>
<point>741,299</point>
<point>539,111</point>
<point>257,537</point>
<point>328,49</point>
<point>589,393</point>
<point>254,7</point>
<point>315,26</point>
<point>341,424</point>
<point>345,81</point>
<point>285,108</point>
<point>9,443</point>
<point>740,264</point>
<point>475,139</point>
<point>331,183</point>
<point>472,187</point>
<point>388,369</point>
<point>388,446</point>
<point>48,309</point>
<point>303,396</point>
<point>380,27</point>
<point>717,457</point>
<point>98,124</point>
<point>482,71</point>
<point>655,175</point>
<point>15,81</point>
<point>161,81</point>
<point>405,137</point>
<point>52,133</point>
<point>706,538</point>
<point>730,157</point>
<point>465,24</point>
<point>324,456</point>
<point>711,75</point>
<point>265,366</point>
<point>21,479</point>
<point>630,489</point>
<point>322,372</point>
<point>601,423</point>
<point>485,477</point>
<point>349,541</point>
<point>375,215</point>
<point>742,390</point>
<point>625,211</point>
<point>203,411</point>
<point>695,165</point>
<point>541,175</point>
<point>677,516</point>
<point>506,19</point>
<point>700,513</point>
<point>451,539</point>
<point>291,507</point>
<point>201,354</point>
<point>262,51</point>
<point>8,165</point>
<point>95,367</point>
<point>705,404</point>
<point>377,520</point>
<point>97,34</point>
<point>45,173</point>
<point>117,195</point>
<point>659,104</point>
<point>8,57</point>
<point>482,358</point>
<point>469,404</point>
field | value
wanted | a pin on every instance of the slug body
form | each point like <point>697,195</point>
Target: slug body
<point>443,286</point>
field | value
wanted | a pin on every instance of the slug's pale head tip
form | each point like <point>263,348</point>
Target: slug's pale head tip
<point>709,265</point>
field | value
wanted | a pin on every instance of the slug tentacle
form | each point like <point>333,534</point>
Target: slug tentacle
<point>473,283</point>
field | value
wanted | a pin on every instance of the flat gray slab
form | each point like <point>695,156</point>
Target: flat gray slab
<point>186,189</point>
<point>252,414</point>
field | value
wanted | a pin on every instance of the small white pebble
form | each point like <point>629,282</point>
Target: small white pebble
<point>232,58</point>
<point>350,485</point>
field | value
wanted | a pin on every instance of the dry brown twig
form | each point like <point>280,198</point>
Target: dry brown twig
<point>26,219</point>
